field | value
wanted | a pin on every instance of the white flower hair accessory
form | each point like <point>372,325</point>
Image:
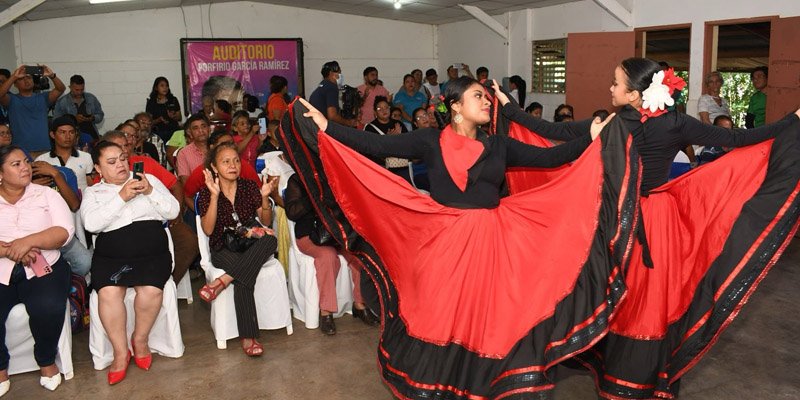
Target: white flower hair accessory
<point>658,96</point>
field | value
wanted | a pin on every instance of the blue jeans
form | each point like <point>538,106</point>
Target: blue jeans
<point>78,256</point>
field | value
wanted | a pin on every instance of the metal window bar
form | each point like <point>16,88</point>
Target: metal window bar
<point>549,66</point>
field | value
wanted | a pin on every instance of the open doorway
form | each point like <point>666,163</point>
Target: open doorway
<point>735,49</point>
<point>671,45</point>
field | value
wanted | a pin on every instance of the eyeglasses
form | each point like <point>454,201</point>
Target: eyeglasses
<point>381,108</point>
<point>5,134</point>
<point>421,117</point>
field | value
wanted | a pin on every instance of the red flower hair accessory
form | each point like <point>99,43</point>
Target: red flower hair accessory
<point>658,96</point>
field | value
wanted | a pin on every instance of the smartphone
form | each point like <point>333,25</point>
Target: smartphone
<point>34,70</point>
<point>40,266</point>
<point>262,124</point>
<point>458,66</point>
<point>138,167</point>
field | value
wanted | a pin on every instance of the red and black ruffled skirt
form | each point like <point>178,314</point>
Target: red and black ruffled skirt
<point>479,303</point>
<point>713,234</point>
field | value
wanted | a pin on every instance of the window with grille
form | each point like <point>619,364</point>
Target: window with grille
<point>549,66</point>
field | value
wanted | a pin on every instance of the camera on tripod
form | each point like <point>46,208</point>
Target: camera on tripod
<point>37,74</point>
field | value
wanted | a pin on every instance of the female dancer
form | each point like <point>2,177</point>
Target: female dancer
<point>705,239</point>
<point>479,296</point>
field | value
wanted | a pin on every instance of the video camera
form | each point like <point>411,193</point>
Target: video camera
<point>37,74</point>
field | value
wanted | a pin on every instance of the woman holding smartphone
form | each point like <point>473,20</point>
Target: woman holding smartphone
<point>36,223</point>
<point>131,250</point>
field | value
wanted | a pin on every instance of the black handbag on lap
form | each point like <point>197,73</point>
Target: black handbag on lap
<point>235,238</point>
<point>320,236</point>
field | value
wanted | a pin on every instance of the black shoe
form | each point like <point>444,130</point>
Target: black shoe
<point>366,316</point>
<point>326,324</point>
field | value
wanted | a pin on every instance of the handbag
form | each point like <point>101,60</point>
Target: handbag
<point>239,238</point>
<point>320,236</point>
<point>391,162</point>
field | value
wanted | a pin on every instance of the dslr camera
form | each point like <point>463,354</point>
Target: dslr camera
<point>37,74</point>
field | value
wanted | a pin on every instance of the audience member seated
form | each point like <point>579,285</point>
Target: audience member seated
<point>138,145</point>
<point>5,135</point>
<point>132,250</point>
<point>27,110</point>
<point>64,133</point>
<point>194,154</point>
<point>276,103</point>
<point>384,125</point>
<point>711,105</point>
<point>535,109</point>
<point>184,239</point>
<point>4,75</point>
<point>164,108</point>
<point>230,202</point>
<point>196,180</point>
<point>481,74</point>
<point>711,153</point>
<point>145,122</point>
<point>518,89</point>
<point>326,259</point>
<point>410,98</point>
<point>422,119</point>
<point>245,136</point>
<point>176,143</point>
<point>432,84</point>
<point>563,111</point>
<point>36,223</point>
<point>417,74</point>
<point>83,105</point>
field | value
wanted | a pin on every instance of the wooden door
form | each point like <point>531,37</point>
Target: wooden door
<point>783,89</point>
<point>591,60</point>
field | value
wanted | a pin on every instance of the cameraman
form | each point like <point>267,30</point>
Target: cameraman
<point>27,111</point>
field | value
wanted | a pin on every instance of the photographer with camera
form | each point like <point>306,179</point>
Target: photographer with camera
<point>326,96</point>
<point>27,110</point>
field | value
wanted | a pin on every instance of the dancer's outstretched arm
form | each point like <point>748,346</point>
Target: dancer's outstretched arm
<point>525,155</point>
<point>696,132</point>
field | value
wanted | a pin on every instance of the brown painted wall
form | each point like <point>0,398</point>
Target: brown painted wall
<point>591,60</point>
<point>783,89</point>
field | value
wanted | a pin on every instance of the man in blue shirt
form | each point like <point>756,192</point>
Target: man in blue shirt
<point>27,110</point>
<point>4,75</point>
<point>81,104</point>
<point>325,97</point>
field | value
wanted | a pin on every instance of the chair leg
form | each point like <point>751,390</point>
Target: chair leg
<point>222,344</point>
<point>289,329</point>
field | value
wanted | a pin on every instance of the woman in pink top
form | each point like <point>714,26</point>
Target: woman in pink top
<point>245,137</point>
<point>35,223</point>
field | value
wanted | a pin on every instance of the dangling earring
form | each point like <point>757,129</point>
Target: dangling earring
<point>458,118</point>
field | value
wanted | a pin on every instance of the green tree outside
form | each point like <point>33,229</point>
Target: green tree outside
<point>737,90</point>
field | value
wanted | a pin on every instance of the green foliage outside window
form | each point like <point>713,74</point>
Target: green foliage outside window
<point>737,90</point>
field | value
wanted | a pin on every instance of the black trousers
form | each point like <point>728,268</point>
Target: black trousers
<point>45,299</point>
<point>244,268</point>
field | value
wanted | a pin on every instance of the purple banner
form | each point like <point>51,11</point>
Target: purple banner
<point>227,69</point>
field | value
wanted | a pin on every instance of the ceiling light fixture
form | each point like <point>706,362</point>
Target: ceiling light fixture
<point>105,1</point>
<point>397,4</point>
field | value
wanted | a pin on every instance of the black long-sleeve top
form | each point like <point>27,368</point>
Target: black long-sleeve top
<point>298,207</point>
<point>657,140</point>
<point>485,178</point>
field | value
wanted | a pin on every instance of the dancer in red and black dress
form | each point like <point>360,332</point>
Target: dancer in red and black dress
<point>705,240</point>
<point>479,295</point>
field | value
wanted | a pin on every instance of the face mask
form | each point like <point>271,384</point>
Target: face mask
<point>340,80</point>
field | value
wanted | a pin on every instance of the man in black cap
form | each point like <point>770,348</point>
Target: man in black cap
<point>325,97</point>
<point>64,138</point>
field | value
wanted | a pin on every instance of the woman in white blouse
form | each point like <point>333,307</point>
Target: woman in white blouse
<point>131,250</point>
<point>712,105</point>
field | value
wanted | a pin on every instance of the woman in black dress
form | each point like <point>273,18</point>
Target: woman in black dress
<point>470,307</point>
<point>705,240</point>
<point>165,109</point>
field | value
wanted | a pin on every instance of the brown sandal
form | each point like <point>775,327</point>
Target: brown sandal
<point>255,349</point>
<point>208,293</point>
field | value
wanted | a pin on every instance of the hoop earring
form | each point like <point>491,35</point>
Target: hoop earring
<point>458,118</point>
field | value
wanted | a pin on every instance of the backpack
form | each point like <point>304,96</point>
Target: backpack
<point>78,304</point>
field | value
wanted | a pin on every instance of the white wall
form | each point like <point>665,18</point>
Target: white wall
<point>8,58</point>
<point>120,54</point>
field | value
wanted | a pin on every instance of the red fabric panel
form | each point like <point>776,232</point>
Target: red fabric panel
<point>481,278</point>
<point>459,154</point>
<point>522,179</point>
<point>687,222</point>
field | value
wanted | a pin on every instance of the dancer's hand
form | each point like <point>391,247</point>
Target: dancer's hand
<point>598,125</point>
<point>501,97</point>
<point>314,114</point>
<point>797,113</point>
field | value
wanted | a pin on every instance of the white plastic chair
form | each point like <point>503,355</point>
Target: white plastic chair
<point>19,342</point>
<point>272,297</point>
<point>303,289</point>
<point>184,289</point>
<point>165,336</point>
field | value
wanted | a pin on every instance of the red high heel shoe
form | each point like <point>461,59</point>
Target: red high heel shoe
<point>142,362</point>
<point>210,292</point>
<point>115,377</point>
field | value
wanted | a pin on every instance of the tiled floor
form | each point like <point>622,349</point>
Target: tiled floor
<point>756,358</point>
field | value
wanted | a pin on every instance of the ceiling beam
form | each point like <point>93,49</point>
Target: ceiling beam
<point>617,11</point>
<point>487,20</point>
<point>17,10</point>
